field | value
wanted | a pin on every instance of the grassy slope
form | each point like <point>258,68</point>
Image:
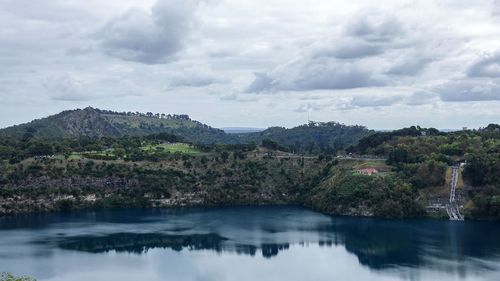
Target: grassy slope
<point>182,148</point>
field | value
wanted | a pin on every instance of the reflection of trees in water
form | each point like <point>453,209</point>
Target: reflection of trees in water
<point>432,244</point>
<point>271,250</point>
<point>141,243</point>
<point>377,244</point>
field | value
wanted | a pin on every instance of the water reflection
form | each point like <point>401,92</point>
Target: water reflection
<point>384,244</point>
<point>377,244</point>
<point>405,247</point>
<point>141,243</point>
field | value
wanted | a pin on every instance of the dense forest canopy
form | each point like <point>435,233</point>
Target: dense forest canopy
<point>311,138</point>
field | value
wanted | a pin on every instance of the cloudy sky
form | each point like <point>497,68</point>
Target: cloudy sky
<point>255,63</point>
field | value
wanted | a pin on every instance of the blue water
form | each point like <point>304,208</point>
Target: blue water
<point>245,243</point>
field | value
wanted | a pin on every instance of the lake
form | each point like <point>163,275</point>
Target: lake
<point>245,243</point>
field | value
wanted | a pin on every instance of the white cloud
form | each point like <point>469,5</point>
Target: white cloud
<point>421,98</point>
<point>66,88</point>
<point>469,90</point>
<point>194,77</point>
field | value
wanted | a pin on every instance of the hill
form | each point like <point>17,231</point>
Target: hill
<point>241,130</point>
<point>311,138</point>
<point>92,122</point>
<point>411,172</point>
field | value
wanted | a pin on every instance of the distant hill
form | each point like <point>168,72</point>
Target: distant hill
<point>241,130</point>
<point>314,137</point>
<point>94,122</point>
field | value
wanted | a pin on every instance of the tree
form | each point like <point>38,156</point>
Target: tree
<point>224,155</point>
<point>5,152</point>
<point>397,155</point>
<point>270,144</point>
<point>119,152</point>
<point>482,170</point>
<point>40,148</point>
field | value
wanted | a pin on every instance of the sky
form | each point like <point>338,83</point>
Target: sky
<point>255,63</point>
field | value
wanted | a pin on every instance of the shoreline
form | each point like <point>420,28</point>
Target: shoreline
<point>216,206</point>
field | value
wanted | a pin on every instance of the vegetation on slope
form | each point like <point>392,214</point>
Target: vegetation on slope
<point>312,138</point>
<point>84,169</point>
<point>227,177</point>
<point>92,122</point>
<point>420,157</point>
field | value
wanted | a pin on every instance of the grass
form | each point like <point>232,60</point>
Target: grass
<point>183,148</point>
<point>75,156</point>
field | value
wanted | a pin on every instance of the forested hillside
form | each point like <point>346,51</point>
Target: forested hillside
<point>422,156</point>
<point>95,158</point>
<point>312,138</point>
<point>92,122</point>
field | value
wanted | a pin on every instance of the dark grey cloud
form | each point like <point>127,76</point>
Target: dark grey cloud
<point>409,66</point>
<point>325,75</point>
<point>314,74</point>
<point>374,27</point>
<point>79,50</point>
<point>195,78</point>
<point>487,66</point>
<point>152,37</point>
<point>469,90</point>
<point>192,81</point>
<point>262,82</point>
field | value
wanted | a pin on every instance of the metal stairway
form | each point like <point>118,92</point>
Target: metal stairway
<point>452,208</point>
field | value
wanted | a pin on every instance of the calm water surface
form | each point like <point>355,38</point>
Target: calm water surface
<point>245,243</point>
